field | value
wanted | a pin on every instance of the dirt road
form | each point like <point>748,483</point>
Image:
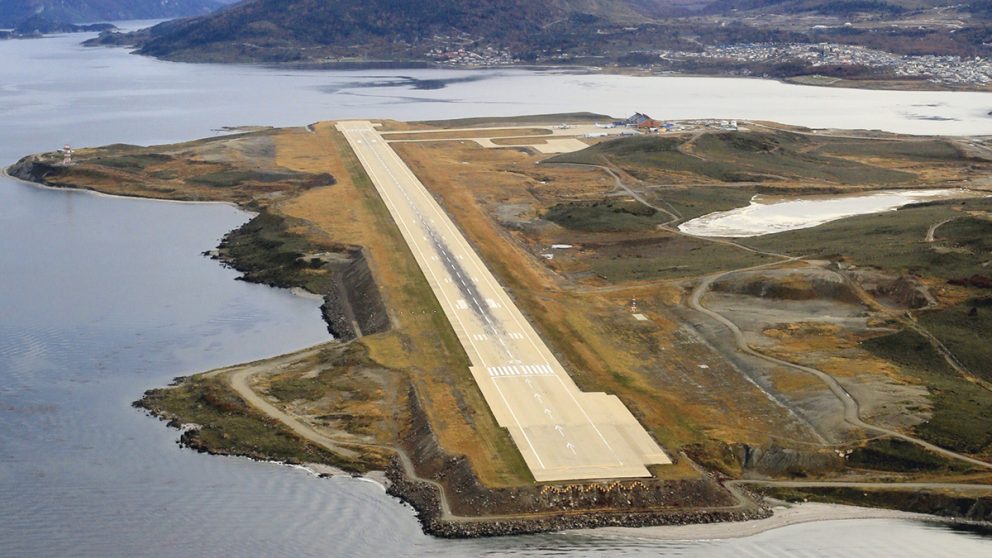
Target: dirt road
<point>852,409</point>
<point>239,378</point>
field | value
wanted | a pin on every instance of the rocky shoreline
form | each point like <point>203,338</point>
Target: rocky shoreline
<point>473,509</point>
<point>425,499</point>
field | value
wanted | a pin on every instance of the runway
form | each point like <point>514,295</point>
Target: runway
<point>562,433</point>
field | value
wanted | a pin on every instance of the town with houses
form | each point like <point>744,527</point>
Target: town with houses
<point>946,70</point>
<point>462,56</point>
<point>951,70</point>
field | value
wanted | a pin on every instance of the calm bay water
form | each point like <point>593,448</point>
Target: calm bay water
<point>102,298</point>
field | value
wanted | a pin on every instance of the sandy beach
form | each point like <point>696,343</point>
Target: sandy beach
<point>785,515</point>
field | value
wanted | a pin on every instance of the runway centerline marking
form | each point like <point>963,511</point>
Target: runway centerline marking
<point>478,353</point>
<point>502,345</point>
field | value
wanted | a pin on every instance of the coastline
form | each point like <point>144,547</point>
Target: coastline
<point>783,515</point>
<point>324,471</point>
<point>5,174</point>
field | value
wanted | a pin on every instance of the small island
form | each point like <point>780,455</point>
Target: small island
<point>842,361</point>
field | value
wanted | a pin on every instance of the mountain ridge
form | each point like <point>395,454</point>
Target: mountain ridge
<point>389,27</point>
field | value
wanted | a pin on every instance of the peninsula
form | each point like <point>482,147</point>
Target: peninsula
<point>534,329</point>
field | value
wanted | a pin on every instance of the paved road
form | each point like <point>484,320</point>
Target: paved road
<point>562,433</point>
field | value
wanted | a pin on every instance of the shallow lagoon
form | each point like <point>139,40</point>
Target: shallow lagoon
<point>767,216</point>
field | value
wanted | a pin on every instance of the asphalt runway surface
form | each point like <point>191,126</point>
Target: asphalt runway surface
<point>562,432</point>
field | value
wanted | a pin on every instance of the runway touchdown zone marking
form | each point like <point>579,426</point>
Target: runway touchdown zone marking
<point>521,370</point>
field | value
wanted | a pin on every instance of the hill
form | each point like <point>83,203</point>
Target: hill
<point>14,12</point>
<point>289,30</point>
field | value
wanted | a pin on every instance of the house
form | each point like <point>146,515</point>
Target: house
<point>649,124</point>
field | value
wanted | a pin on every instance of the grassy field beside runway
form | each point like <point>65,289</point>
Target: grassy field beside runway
<point>608,215</point>
<point>739,157</point>
<point>661,255</point>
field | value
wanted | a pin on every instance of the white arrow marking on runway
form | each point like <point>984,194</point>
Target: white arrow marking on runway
<point>571,446</point>
<point>548,412</point>
<point>536,395</point>
<point>560,430</point>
